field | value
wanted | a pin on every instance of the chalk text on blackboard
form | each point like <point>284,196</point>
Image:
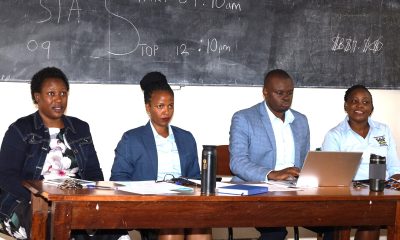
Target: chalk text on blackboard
<point>214,46</point>
<point>350,45</point>
<point>133,29</point>
<point>216,4</point>
<point>33,45</point>
<point>182,50</point>
<point>147,50</point>
<point>74,8</point>
<point>235,6</point>
<point>374,46</point>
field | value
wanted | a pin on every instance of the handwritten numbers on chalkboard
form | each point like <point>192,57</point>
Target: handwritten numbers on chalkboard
<point>214,46</point>
<point>374,46</point>
<point>33,45</point>
<point>214,4</point>
<point>351,45</point>
<point>181,50</point>
<point>228,5</point>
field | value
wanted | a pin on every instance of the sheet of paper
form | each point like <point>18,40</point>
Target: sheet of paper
<point>151,187</point>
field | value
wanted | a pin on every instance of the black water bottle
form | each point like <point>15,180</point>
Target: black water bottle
<point>208,169</point>
<point>377,173</point>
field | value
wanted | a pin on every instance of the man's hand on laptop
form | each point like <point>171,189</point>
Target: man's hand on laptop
<point>289,173</point>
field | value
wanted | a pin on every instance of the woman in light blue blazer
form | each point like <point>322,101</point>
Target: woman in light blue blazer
<point>158,150</point>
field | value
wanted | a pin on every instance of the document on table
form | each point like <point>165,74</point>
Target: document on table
<point>151,187</point>
<point>272,187</point>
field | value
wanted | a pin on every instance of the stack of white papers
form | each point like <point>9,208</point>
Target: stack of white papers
<point>151,187</point>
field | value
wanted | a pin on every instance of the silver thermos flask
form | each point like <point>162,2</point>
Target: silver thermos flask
<point>377,173</point>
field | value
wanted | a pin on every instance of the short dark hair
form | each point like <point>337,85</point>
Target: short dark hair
<point>353,88</point>
<point>350,90</point>
<point>45,73</point>
<point>154,81</point>
<point>276,73</point>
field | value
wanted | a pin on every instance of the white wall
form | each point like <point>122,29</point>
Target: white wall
<point>205,111</point>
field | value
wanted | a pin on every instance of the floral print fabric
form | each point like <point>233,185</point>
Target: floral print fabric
<point>60,161</point>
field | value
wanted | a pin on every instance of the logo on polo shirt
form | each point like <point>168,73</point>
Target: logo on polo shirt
<point>381,140</point>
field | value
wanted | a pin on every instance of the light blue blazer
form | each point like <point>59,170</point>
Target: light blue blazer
<point>136,155</point>
<point>252,143</point>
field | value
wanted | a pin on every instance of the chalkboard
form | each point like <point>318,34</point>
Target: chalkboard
<point>321,43</point>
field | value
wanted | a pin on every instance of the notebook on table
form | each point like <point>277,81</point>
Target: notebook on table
<point>328,169</point>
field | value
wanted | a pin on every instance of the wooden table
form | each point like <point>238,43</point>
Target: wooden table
<point>113,209</point>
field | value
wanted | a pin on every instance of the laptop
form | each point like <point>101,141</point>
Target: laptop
<point>328,169</point>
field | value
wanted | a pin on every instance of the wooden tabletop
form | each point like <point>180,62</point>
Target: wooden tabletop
<point>113,209</point>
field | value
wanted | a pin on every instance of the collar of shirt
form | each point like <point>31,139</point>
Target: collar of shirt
<point>159,137</point>
<point>348,128</point>
<point>289,117</point>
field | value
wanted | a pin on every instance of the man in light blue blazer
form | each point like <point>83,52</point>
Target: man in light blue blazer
<point>253,144</point>
<point>269,141</point>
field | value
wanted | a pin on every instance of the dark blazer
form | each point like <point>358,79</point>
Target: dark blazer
<point>136,155</point>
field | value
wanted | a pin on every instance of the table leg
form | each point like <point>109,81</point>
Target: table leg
<point>61,220</point>
<point>393,232</point>
<point>39,217</point>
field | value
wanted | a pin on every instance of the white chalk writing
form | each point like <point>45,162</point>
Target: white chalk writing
<point>214,46</point>
<point>226,5</point>
<point>74,7</point>
<point>132,28</point>
<point>350,45</point>
<point>211,46</point>
<point>182,50</point>
<point>374,46</point>
<point>149,51</point>
<point>33,45</point>
<point>214,4</point>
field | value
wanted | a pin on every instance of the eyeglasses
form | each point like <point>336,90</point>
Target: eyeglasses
<point>169,178</point>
